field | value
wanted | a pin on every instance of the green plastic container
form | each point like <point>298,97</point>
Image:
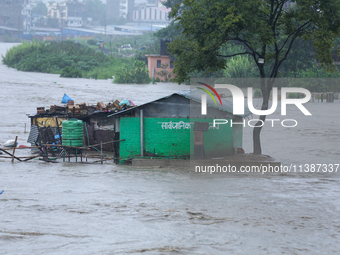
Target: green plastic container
<point>73,133</point>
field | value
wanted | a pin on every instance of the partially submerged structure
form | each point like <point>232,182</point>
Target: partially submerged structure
<point>163,128</point>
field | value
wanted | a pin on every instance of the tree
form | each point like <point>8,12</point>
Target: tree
<point>267,29</point>
<point>96,10</point>
<point>40,9</point>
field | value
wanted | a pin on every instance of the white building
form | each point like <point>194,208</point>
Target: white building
<point>57,11</point>
<point>152,15</point>
<point>74,22</point>
<point>26,13</point>
<point>153,12</point>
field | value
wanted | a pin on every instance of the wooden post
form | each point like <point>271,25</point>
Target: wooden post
<point>15,145</point>
<point>113,152</point>
<point>101,152</point>
<point>85,156</point>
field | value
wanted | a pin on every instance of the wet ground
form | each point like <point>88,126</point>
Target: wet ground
<point>107,209</point>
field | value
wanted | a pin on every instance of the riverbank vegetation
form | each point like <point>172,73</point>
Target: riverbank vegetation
<point>76,60</point>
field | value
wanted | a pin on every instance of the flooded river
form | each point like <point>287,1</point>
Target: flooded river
<point>70,208</point>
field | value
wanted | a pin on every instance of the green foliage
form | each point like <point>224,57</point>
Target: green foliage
<point>316,79</point>
<point>240,67</point>
<point>301,57</point>
<point>135,73</point>
<point>295,95</point>
<point>70,72</point>
<point>107,71</point>
<point>40,9</point>
<point>53,57</point>
<point>72,59</point>
<point>208,24</point>
<point>257,93</point>
<point>316,72</point>
<point>169,32</point>
<point>95,9</point>
<point>265,28</point>
<point>92,41</point>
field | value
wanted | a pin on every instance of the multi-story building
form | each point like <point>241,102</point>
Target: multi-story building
<point>12,14</point>
<point>153,12</point>
<point>27,17</point>
<point>74,21</point>
<point>58,11</point>
<point>119,8</point>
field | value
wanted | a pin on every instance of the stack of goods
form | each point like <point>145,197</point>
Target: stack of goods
<point>82,109</point>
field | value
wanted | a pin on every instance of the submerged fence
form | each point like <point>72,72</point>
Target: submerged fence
<point>51,152</point>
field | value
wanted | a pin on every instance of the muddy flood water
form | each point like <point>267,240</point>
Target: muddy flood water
<point>69,208</point>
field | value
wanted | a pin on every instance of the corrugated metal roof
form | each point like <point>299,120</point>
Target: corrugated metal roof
<point>226,106</point>
<point>33,136</point>
<point>195,95</point>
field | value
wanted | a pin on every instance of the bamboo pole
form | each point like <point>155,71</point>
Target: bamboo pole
<point>10,154</point>
<point>60,145</point>
<point>19,148</point>
<point>31,158</point>
<point>20,157</point>
<point>15,144</point>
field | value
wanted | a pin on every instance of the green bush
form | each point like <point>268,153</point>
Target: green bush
<point>91,42</point>
<point>257,93</point>
<point>240,67</point>
<point>296,95</point>
<point>71,72</point>
<point>136,73</point>
<point>53,57</point>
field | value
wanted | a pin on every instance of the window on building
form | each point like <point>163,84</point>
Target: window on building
<point>171,64</point>
<point>159,63</point>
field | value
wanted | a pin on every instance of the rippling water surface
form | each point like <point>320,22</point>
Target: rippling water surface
<point>69,208</point>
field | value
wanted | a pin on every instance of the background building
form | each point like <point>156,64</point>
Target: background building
<point>152,12</point>
<point>116,9</point>
<point>57,11</point>
<point>12,14</point>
